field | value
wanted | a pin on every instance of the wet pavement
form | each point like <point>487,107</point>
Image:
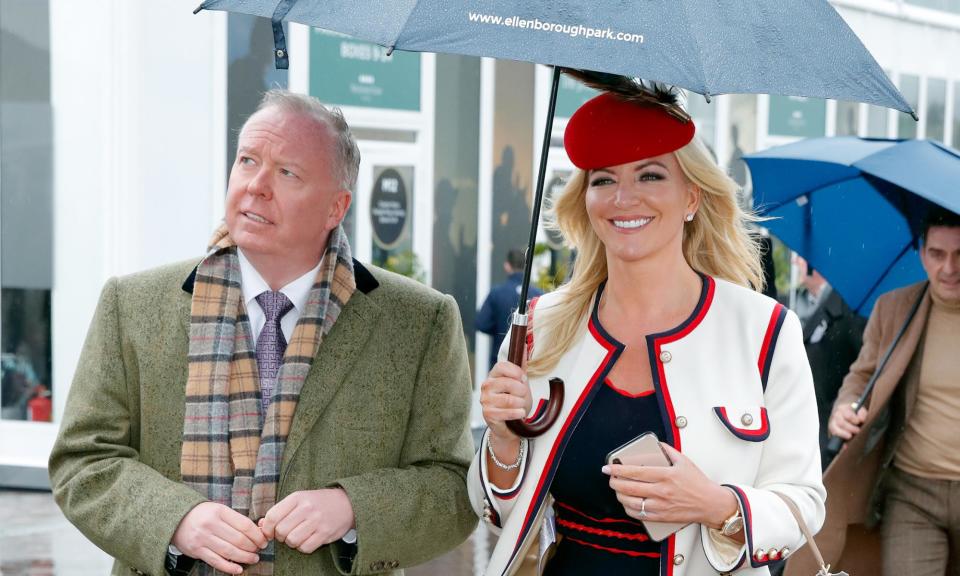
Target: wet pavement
<point>36,540</point>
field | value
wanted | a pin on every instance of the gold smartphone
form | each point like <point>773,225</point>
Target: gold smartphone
<point>645,450</point>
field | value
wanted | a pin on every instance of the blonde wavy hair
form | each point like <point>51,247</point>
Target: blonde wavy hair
<point>718,242</point>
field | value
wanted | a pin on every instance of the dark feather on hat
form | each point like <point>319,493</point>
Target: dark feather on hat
<point>634,90</point>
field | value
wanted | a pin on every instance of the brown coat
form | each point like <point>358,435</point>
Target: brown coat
<point>849,539</point>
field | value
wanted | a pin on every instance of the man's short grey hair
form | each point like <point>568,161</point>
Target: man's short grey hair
<point>347,155</point>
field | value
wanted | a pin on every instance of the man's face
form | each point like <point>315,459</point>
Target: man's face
<point>283,198</point>
<point>941,259</point>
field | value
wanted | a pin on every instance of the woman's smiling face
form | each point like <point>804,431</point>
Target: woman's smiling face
<point>638,209</point>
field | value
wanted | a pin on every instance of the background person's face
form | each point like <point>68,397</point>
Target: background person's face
<point>941,259</point>
<point>637,209</point>
<point>283,198</point>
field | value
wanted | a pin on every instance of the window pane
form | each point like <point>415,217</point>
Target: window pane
<point>956,115</point>
<point>947,5</point>
<point>512,158</point>
<point>847,113</point>
<point>704,115</point>
<point>743,140</point>
<point>26,210</point>
<point>797,116</point>
<point>876,122</point>
<point>936,108</point>
<point>910,88</point>
<point>456,190</point>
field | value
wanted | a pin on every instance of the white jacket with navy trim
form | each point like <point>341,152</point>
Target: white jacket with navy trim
<point>736,396</point>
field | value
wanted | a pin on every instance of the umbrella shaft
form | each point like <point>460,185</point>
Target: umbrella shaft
<point>538,198</point>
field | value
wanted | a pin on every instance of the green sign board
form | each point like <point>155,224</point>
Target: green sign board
<point>797,116</point>
<point>348,72</point>
<point>571,94</point>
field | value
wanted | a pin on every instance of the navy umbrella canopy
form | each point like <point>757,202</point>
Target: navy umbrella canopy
<point>854,207</point>
<point>794,48</point>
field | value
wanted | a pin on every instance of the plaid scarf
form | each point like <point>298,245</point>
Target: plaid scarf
<point>231,450</point>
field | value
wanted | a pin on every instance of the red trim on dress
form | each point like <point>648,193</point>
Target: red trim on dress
<point>622,392</point>
<point>597,520</point>
<point>638,536</point>
<point>614,550</point>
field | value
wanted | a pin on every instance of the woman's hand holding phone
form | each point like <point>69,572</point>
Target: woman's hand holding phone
<point>677,494</point>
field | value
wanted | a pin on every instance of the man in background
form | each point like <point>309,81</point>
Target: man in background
<point>832,336</point>
<point>900,468</point>
<point>494,315</point>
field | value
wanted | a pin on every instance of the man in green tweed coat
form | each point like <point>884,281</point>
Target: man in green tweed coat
<point>276,407</point>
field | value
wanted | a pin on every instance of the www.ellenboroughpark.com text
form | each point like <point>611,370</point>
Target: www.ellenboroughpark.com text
<point>573,30</point>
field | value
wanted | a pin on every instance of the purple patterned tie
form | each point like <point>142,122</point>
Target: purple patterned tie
<point>271,344</point>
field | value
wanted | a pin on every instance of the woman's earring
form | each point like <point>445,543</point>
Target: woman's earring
<point>689,217</point>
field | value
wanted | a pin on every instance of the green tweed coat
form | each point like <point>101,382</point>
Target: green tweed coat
<point>383,413</point>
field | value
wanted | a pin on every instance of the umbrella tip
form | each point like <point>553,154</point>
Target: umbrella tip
<point>707,97</point>
<point>390,51</point>
<point>198,8</point>
<point>914,115</point>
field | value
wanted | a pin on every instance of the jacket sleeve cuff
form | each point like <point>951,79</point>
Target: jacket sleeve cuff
<point>771,531</point>
<point>490,503</point>
<point>344,554</point>
<point>495,492</point>
<point>723,553</point>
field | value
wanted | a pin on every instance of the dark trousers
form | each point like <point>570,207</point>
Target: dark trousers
<point>921,526</point>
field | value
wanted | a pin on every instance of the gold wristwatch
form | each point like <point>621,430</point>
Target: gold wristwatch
<point>733,524</point>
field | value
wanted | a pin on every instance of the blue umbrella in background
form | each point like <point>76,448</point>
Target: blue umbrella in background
<point>786,47</point>
<point>854,207</point>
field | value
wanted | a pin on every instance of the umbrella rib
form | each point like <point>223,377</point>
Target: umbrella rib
<point>696,42</point>
<point>893,262</point>
<point>404,25</point>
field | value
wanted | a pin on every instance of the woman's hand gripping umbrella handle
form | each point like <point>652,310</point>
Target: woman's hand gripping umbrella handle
<point>518,349</point>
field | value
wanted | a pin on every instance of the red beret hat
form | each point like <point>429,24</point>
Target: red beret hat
<point>609,130</point>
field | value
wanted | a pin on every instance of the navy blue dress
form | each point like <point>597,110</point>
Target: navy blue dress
<point>598,536</point>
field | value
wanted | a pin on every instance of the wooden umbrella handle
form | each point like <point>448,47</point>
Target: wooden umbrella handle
<point>515,354</point>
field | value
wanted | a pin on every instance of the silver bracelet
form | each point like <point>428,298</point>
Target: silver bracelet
<point>501,465</point>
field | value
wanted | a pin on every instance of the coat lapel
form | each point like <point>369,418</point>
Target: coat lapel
<point>912,379</point>
<point>338,353</point>
<point>906,349</point>
<point>185,302</point>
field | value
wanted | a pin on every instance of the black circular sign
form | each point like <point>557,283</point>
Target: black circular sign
<point>388,208</point>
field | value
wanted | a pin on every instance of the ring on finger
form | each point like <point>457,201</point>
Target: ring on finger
<point>643,508</point>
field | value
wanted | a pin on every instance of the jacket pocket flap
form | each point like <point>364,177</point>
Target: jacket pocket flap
<point>747,423</point>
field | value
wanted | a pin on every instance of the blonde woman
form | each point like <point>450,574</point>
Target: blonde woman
<point>660,329</point>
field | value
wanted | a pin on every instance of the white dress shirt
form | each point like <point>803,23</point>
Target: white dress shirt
<point>252,284</point>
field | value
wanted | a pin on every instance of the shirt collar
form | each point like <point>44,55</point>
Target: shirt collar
<point>252,284</point>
